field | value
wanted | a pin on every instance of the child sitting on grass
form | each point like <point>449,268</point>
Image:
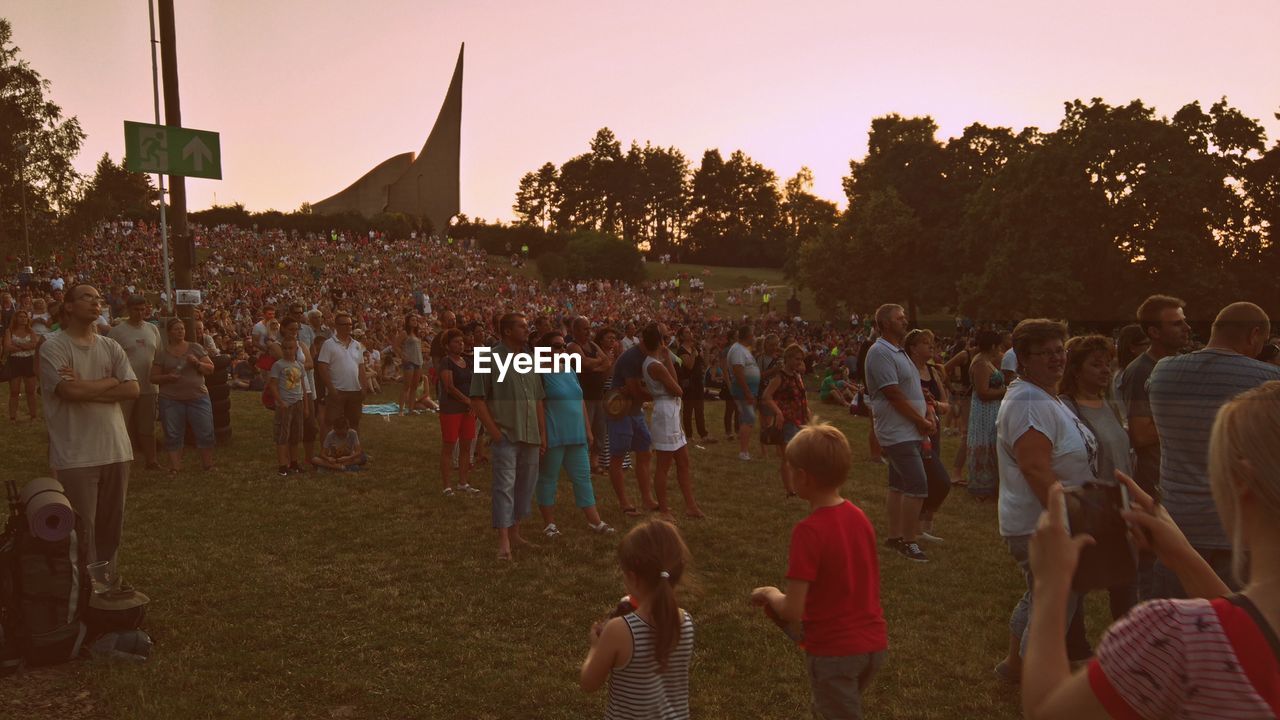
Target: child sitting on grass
<point>833,579</point>
<point>644,654</point>
<point>341,449</point>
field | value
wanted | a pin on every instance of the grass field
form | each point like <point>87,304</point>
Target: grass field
<point>370,595</point>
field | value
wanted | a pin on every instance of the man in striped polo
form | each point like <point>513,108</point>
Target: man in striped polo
<point>1185,393</point>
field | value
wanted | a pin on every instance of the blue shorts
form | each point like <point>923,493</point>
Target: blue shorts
<point>407,366</point>
<point>628,433</point>
<point>746,413</point>
<point>177,415</point>
<point>906,469</point>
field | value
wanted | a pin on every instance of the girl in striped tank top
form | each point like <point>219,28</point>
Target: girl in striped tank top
<point>644,654</point>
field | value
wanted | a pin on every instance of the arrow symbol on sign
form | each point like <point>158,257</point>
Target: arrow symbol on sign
<point>198,151</point>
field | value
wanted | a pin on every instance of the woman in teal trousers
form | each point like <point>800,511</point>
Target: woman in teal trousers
<point>567,439</point>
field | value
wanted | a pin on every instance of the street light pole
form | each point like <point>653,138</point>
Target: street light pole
<point>164,225</point>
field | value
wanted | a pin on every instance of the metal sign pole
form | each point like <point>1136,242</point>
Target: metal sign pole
<point>164,225</point>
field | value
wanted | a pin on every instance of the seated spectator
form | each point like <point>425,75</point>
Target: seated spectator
<point>1210,656</point>
<point>837,389</point>
<point>341,449</point>
<point>243,373</point>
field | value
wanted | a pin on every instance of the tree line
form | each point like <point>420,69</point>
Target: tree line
<point>727,211</point>
<point>1081,221</point>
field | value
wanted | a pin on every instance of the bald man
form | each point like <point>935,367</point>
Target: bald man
<point>1185,394</point>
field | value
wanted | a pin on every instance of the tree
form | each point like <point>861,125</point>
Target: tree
<point>736,213</point>
<point>806,216</point>
<point>537,197</point>
<point>905,161</point>
<point>595,255</point>
<point>37,147</point>
<point>115,192</point>
<point>578,207</point>
<point>1262,186</point>
<point>655,204</point>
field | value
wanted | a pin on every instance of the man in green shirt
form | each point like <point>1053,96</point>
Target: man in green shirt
<point>511,411</point>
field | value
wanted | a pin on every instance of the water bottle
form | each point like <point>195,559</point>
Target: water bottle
<point>926,448</point>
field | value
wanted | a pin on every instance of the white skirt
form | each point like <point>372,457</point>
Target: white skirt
<point>664,425</point>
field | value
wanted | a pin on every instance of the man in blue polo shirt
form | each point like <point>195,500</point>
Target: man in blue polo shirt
<point>1185,393</point>
<point>630,433</point>
<point>898,410</point>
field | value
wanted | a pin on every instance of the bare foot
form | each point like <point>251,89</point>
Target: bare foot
<point>516,539</point>
<point>695,513</point>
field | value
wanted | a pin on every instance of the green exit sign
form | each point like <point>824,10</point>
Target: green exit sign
<point>170,150</point>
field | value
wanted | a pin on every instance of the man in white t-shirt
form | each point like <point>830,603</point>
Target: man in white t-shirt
<point>140,341</point>
<point>84,376</point>
<point>340,367</point>
<point>262,331</point>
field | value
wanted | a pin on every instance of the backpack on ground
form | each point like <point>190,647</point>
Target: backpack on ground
<point>44,592</point>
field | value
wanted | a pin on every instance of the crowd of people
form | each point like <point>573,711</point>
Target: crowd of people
<point>1048,422</point>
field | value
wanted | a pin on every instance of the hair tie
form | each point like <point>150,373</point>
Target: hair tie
<point>664,575</point>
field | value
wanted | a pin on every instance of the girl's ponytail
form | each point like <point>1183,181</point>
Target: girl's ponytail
<point>666,619</point>
<point>656,554</point>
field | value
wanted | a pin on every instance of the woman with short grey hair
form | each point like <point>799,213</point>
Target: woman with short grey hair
<point>1041,444</point>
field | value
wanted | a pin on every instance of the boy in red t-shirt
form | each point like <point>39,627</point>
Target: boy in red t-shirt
<point>833,579</point>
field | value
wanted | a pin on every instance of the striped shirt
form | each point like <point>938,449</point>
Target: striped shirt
<point>637,691</point>
<point>1185,394</point>
<point>1192,659</point>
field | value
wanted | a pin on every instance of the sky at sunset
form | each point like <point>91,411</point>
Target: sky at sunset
<point>310,94</point>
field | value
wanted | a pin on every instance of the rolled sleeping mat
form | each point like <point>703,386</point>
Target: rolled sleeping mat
<point>49,513</point>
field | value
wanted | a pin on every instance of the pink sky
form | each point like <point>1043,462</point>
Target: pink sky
<point>310,94</point>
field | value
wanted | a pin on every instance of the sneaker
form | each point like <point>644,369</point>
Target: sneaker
<point>468,489</point>
<point>283,471</point>
<point>603,528</point>
<point>744,456</point>
<point>708,440</point>
<point>551,531</point>
<point>930,537</point>
<point>448,492</point>
<point>912,552</point>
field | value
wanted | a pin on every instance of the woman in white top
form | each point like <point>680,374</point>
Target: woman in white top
<point>664,427</point>
<point>21,343</point>
<point>1040,444</point>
